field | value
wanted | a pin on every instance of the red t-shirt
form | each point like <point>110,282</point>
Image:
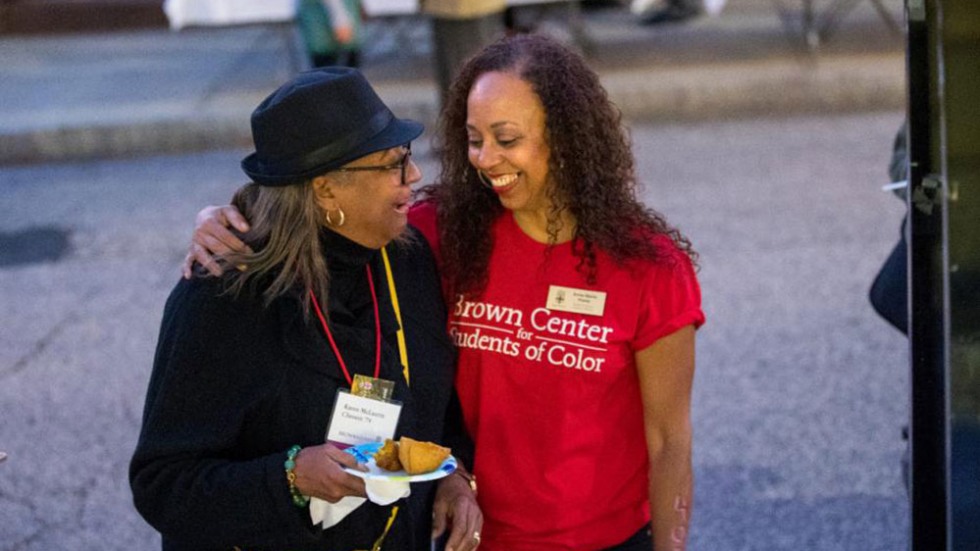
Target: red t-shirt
<point>551,397</point>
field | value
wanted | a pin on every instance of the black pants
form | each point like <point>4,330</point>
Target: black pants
<point>642,540</point>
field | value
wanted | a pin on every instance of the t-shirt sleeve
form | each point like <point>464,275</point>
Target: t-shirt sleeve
<point>669,300</point>
<point>422,215</point>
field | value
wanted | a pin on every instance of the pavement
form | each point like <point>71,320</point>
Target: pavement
<point>800,389</point>
<point>79,96</point>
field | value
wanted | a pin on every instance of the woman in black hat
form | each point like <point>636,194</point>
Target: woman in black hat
<point>249,365</point>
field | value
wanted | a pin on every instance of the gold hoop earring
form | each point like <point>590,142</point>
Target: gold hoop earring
<point>483,178</point>
<point>339,222</point>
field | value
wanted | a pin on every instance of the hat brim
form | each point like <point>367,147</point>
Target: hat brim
<point>398,132</point>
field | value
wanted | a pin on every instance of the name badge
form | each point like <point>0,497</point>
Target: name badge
<point>576,301</point>
<point>359,420</point>
<point>369,387</point>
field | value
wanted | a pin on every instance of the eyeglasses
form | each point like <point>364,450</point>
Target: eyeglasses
<point>401,164</point>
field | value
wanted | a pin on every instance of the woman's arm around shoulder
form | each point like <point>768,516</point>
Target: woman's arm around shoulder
<point>212,237</point>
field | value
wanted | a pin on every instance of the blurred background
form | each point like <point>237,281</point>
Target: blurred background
<point>763,129</point>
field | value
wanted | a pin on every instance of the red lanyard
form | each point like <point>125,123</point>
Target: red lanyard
<point>377,331</point>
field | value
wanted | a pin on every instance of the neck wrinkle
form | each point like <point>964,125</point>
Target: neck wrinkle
<point>535,226</point>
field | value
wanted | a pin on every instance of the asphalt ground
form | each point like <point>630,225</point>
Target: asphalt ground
<point>151,91</point>
<point>800,392</point>
<point>767,154</point>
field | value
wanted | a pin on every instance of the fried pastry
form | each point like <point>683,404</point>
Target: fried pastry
<point>386,458</point>
<point>420,457</point>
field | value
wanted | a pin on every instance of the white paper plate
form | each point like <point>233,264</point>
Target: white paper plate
<point>365,452</point>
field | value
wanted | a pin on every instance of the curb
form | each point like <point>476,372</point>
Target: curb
<point>776,87</point>
<point>766,88</point>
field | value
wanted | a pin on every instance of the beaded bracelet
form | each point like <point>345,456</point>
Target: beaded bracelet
<point>299,499</point>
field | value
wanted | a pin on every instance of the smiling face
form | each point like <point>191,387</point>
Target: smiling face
<point>375,202</point>
<point>505,125</point>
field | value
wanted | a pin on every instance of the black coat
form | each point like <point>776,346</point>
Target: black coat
<point>236,383</point>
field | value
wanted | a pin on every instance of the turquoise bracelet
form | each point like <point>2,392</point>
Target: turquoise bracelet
<point>299,499</point>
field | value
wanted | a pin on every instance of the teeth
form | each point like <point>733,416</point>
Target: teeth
<point>503,180</point>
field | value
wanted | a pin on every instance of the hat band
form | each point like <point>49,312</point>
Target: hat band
<point>333,151</point>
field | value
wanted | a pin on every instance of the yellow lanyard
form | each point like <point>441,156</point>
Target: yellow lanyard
<point>378,542</point>
<point>402,347</point>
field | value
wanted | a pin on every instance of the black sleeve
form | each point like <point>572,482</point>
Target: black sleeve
<point>456,435</point>
<point>431,306</point>
<point>189,478</point>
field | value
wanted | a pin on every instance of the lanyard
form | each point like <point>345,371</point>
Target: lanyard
<point>402,347</point>
<point>377,331</point>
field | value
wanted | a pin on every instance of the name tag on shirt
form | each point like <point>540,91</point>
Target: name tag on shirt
<point>576,301</point>
<point>359,420</point>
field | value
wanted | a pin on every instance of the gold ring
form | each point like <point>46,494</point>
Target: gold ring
<point>476,536</point>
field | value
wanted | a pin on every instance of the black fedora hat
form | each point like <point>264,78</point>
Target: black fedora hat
<point>319,121</point>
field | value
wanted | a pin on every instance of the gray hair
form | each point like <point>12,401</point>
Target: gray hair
<point>285,236</point>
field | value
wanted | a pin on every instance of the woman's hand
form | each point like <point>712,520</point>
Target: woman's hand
<point>319,473</point>
<point>456,504</point>
<point>212,237</point>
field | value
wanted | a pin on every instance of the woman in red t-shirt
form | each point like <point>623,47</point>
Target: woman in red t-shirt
<point>573,306</point>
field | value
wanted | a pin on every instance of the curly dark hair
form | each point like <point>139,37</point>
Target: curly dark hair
<point>591,166</point>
